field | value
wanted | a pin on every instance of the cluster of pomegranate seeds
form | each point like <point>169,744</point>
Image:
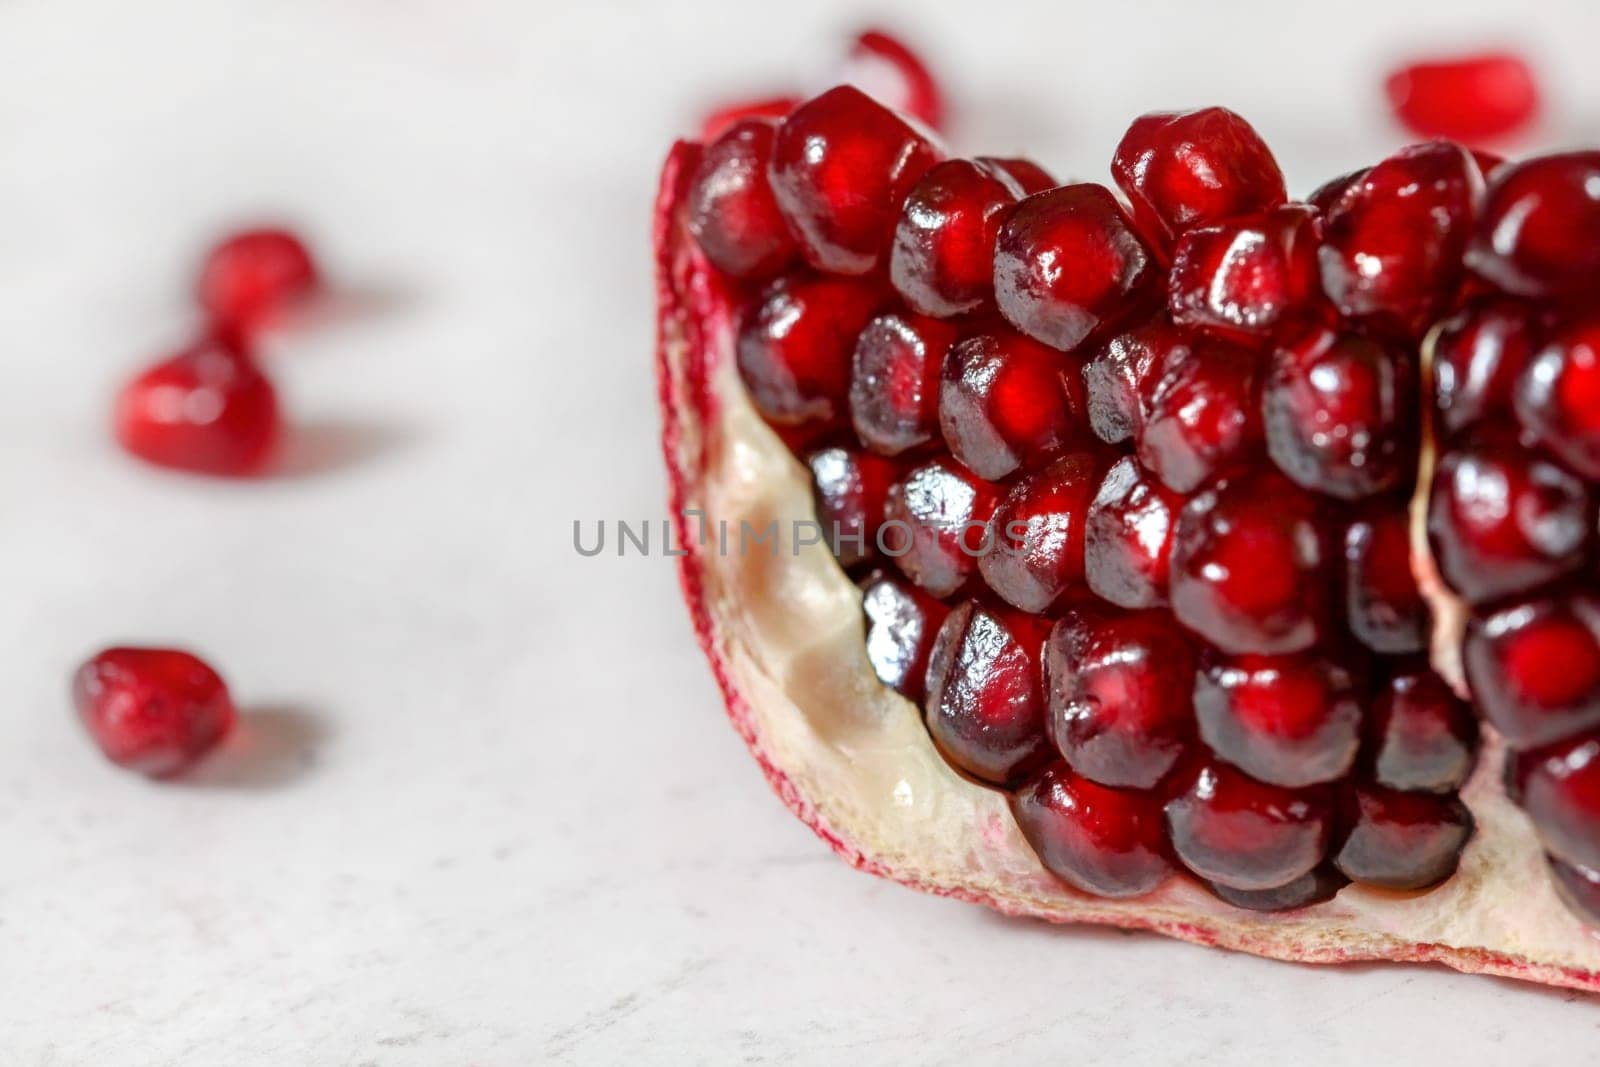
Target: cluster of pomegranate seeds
<point>1140,460</point>
<point>152,710</point>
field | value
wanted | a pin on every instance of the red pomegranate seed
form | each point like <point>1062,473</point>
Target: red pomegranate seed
<point>207,409</point>
<point>1200,413</point>
<point>1393,241</point>
<point>841,166</point>
<point>1316,887</point>
<point>1339,412</point>
<point>252,276</point>
<point>1534,668</point>
<point>1502,520</point>
<point>152,710</point>
<point>1579,889</point>
<point>1558,396</point>
<point>1383,605</point>
<point>1329,193</point>
<point>888,71</point>
<point>719,121</point>
<point>1285,720</point>
<point>1396,840</point>
<point>944,242</point>
<point>849,489</point>
<point>1007,402</point>
<point>902,622</point>
<point>1187,169</point>
<point>1031,177</point>
<point>1119,687</point>
<point>1244,834</point>
<point>984,709</point>
<point>1115,376</point>
<point>1420,735</point>
<point>795,347</point>
<point>1559,788</point>
<point>937,524</point>
<point>1080,225</point>
<point>1247,275</point>
<point>1466,98</point>
<point>1477,356</point>
<point>732,213</point>
<point>1100,840</point>
<point>894,381</point>
<point>1128,537</point>
<point>1036,534</point>
<point>1249,567</point>
<point>1539,232</point>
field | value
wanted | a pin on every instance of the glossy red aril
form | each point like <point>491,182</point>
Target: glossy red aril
<point>1119,689</point>
<point>795,347</point>
<point>1007,402</point>
<point>1326,195</point>
<point>1539,234</point>
<point>1245,276</point>
<point>252,276</point>
<point>1100,840</point>
<point>841,166</point>
<point>1036,533</point>
<point>1316,887</point>
<point>849,489</point>
<point>207,409</point>
<point>1116,375</point>
<point>1199,412</point>
<point>1534,667</point>
<point>1396,840</point>
<point>1128,537</point>
<point>894,381</point>
<point>1028,175</point>
<point>936,524</point>
<point>1339,412</point>
<point>732,213</point>
<point>1190,168</point>
<point>1383,604</point>
<point>1477,357</point>
<point>723,118</point>
<point>944,242</point>
<point>888,70</point>
<point>1560,790</point>
<point>1230,829</point>
<point>1287,720</point>
<point>902,622</point>
<point>152,710</point>
<point>1420,735</point>
<point>984,708</point>
<point>1558,396</point>
<point>1466,98</point>
<point>1066,262</point>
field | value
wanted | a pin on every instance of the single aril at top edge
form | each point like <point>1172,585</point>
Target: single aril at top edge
<point>1167,553</point>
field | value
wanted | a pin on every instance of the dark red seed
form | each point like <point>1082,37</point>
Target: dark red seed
<point>1128,538</point>
<point>1339,413</point>
<point>1119,687</point>
<point>1558,396</point>
<point>1466,98</point>
<point>795,347</point>
<point>1420,735</point>
<point>1066,261</point>
<point>849,489</point>
<point>937,524</point>
<point>1247,275</point>
<point>984,708</point>
<point>1186,169</point>
<point>1116,374</point>
<point>1383,604</point>
<point>886,69</point>
<point>252,276</point>
<point>1100,840</point>
<point>732,213</point>
<point>1539,234</point>
<point>152,710</point>
<point>1326,195</point>
<point>1025,172</point>
<point>894,381</point>
<point>1396,840</point>
<point>1534,668</point>
<point>1287,720</point>
<point>1477,357</point>
<point>902,622</point>
<point>723,118</point>
<point>942,262</point>
<point>1579,889</point>
<point>207,409</point>
<point>842,164</point>
<point>1559,788</point>
<point>1235,831</point>
<point>1036,534</point>
<point>1200,413</point>
<point>1249,567</point>
<point>1316,887</point>
<point>1008,402</point>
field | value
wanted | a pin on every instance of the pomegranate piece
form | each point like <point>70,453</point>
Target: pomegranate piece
<point>849,489</point>
<point>723,118</point>
<point>942,261</point>
<point>1397,840</point>
<point>1477,357</point>
<point>1249,567</point>
<point>1420,735</point>
<point>1186,169</point>
<point>1558,396</point>
<point>795,347</point>
<point>1067,261</point>
<point>936,524</point>
<point>1383,605</point>
<point>984,709</point>
<point>1466,98</point>
<point>841,166</point>
<point>1316,887</point>
<point>1285,720</point>
<point>1559,788</point>
<point>1028,175</point>
<point>894,381</point>
<point>1534,668</point>
<point>1128,537</point>
<point>252,276</point>
<point>207,409</point>
<point>1200,413</point>
<point>902,622</point>
<point>1393,240</point>
<point>1539,231</point>
<point>1007,402</point>
<point>1502,520</point>
<point>1101,840</point>
<point>1036,534</point>
<point>1237,832</point>
<point>152,710</point>
<point>732,213</point>
<point>1115,376</point>
<point>1119,689</point>
<point>887,70</point>
<point>1246,276</point>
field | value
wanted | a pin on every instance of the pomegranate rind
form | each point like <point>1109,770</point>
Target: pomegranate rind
<point>851,758</point>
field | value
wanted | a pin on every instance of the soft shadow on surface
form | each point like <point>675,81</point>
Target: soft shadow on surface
<point>269,747</point>
<point>352,305</point>
<point>329,445</point>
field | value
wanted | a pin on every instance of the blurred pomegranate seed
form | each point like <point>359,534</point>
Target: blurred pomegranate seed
<point>1466,98</point>
<point>207,409</point>
<point>886,69</point>
<point>719,121</point>
<point>252,276</point>
<point>152,710</point>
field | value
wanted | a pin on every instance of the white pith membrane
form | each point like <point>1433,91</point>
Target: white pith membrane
<point>852,758</point>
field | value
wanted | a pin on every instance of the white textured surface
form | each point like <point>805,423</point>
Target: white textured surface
<point>486,809</point>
